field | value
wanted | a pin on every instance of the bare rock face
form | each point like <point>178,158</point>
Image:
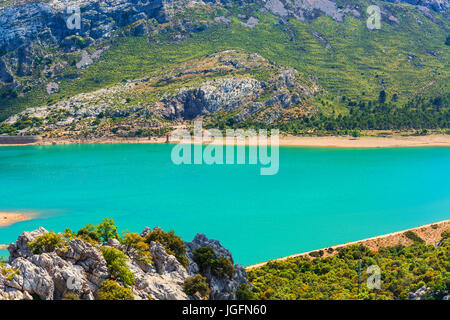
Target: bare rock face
<point>79,269</point>
<point>32,279</point>
<point>218,95</point>
<point>221,288</point>
<point>5,75</point>
<point>20,248</point>
<point>89,258</point>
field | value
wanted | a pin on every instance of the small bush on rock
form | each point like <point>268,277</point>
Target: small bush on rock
<point>136,242</point>
<point>69,234</point>
<point>89,234</point>
<point>111,290</point>
<point>117,265</point>
<point>222,267</point>
<point>206,259</point>
<point>107,230</point>
<point>47,242</point>
<point>95,234</point>
<point>172,243</point>
<point>9,273</point>
<point>413,236</point>
<point>70,296</point>
<point>195,284</point>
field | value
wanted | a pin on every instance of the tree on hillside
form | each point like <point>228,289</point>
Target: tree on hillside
<point>382,96</point>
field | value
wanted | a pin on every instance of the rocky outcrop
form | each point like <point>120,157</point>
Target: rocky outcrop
<point>221,288</point>
<point>212,96</point>
<point>5,75</point>
<point>79,270</point>
<point>232,89</point>
<point>307,10</point>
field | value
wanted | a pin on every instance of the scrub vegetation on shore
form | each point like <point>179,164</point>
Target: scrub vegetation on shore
<point>416,271</point>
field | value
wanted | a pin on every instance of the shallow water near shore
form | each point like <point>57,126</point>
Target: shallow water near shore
<point>320,197</point>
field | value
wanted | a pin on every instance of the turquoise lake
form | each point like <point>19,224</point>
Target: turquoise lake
<point>320,197</point>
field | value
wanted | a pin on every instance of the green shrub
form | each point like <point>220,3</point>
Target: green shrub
<point>102,232</point>
<point>206,259</point>
<point>172,243</point>
<point>244,292</point>
<point>135,241</point>
<point>356,133</point>
<point>107,230</point>
<point>445,234</point>
<point>195,284</point>
<point>47,242</point>
<point>9,273</point>
<point>111,290</point>
<point>316,254</point>
<point>70,296</point>
<point>117,265</point>
<point>413,236</point>
<point>89,233</point>
<point>69,234</point>
<point>222,267</point>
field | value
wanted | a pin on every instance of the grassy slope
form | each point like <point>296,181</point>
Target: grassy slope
<point>353,67</point>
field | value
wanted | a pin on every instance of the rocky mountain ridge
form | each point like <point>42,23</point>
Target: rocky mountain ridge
<point>28,29</point>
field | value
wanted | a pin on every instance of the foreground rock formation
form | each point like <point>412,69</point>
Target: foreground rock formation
<point>80,269</point>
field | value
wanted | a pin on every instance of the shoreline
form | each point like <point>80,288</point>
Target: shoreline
<point>430,233</point>
<point>287,141</point>
<point>9,218</point>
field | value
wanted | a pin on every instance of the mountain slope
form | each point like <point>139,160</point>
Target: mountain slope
<point>327,40</point>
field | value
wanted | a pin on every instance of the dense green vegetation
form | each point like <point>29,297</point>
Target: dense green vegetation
<point>403,269</point>
<point>420,114</point>
<point>95,234</point>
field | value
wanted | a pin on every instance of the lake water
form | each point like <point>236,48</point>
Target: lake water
<point>320,196</point>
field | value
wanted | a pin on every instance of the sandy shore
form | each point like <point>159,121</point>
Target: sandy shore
<point>430,233</point>
<point>8,218</point>
<point>329,141</point>
<point>368,142</point>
